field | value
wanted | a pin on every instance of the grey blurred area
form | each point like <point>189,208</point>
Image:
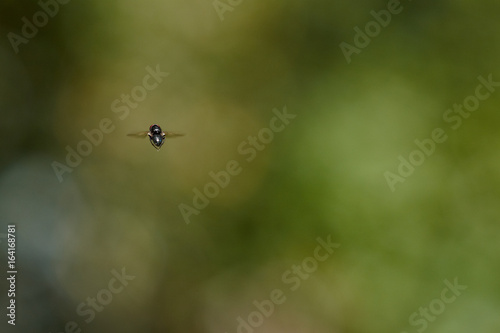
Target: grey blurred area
<point>339,172</point>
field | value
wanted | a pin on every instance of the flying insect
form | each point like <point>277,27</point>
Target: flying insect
<point>156,136</point>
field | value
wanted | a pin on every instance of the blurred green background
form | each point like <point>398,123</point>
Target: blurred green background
<point>322,176</point>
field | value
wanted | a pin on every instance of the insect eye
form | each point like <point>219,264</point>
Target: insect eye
<point>155,129</point>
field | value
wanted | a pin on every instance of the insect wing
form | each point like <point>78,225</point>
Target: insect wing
<point>139,134</point>
<point>171,134</point>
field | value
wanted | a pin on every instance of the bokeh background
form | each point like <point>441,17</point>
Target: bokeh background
<point>322,176</point>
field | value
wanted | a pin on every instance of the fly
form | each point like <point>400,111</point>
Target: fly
<point>156,136</point>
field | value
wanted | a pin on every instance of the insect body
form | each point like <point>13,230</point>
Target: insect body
<point>156,136</point>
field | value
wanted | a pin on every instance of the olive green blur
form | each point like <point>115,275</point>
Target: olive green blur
<point>339,172</point>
